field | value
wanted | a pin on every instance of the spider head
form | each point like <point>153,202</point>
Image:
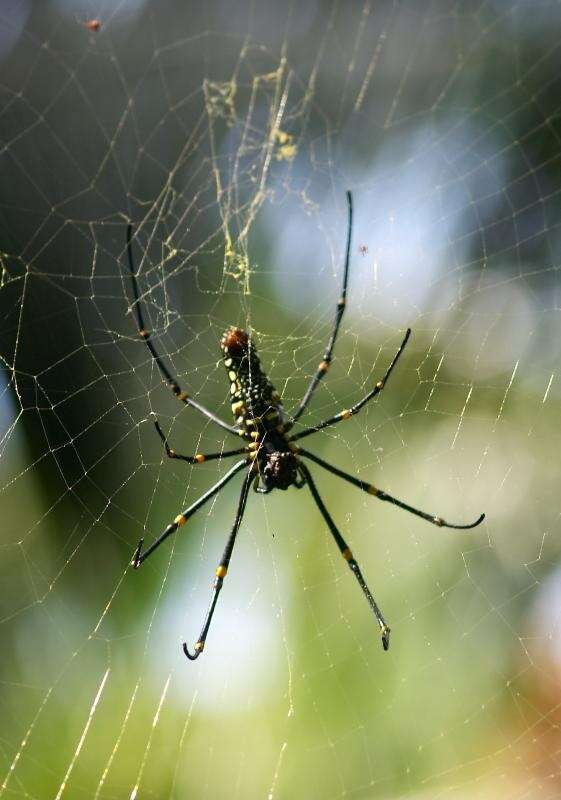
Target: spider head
<point>280,470</point>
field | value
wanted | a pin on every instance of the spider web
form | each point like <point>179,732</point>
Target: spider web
<point>228,137</point>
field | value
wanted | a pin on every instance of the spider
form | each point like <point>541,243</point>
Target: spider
<point>271,458</point>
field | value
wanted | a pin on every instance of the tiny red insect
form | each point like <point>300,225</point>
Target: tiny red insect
<point>92,25</point>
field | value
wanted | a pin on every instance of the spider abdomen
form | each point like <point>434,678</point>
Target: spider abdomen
<point>254,399</point>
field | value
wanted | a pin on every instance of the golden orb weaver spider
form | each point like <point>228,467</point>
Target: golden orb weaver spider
<point>271,460</point>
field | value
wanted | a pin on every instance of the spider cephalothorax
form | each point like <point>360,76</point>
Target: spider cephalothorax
<point>271,460</point>
<point>280,470</point>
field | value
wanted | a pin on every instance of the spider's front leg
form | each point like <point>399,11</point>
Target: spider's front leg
<point>139,557</point>
<point>348,556</point>
<point>222,569</point>
<point>369,488</point>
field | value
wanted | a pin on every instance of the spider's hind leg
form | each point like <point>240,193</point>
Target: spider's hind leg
<point>146,336</point>
<point>339,311</point>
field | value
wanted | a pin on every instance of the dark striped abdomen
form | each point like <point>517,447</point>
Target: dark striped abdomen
<point>251,392</point>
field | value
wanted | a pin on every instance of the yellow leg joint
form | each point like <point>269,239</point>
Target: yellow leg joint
<point>372,490</point>
<point>199,458</point>
<point>380,385</point>
<point>183,396</point>
<point>347,555</point>
<point>324,366</point>
<point>181,519</point>
<point>200,646</point>
<point>346,413</point>
<point>221,571</point>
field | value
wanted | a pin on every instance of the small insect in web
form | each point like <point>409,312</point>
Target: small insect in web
<point>271,459</point>
<point>93,25</point>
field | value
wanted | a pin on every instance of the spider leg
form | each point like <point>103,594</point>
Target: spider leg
<point>381,495</point>
<point>324,365</point>
<point>145,334</point>
<point>139,557</point>
<point>221,570</point>
<point>198,458</point>
<point>348,556</point>
<point>349,412</point>
<point>261,489</point>
<point>258,488</point>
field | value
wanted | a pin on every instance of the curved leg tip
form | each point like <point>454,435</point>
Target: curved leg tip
<point>136,560</point>
<point>197,652</point>
<point>441,523</point>
<point>386,637</point>
<point>477,522</point>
